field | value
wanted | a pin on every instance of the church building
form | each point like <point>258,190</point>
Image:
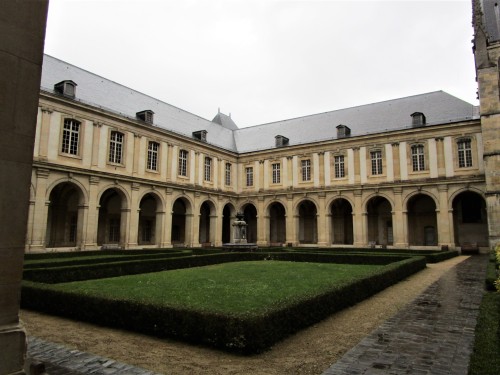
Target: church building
<point>115,168</point>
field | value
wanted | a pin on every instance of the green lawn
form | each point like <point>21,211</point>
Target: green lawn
<point>242,288</point>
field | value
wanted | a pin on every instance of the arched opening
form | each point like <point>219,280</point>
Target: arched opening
<point>308,227</point>
<point>179,212</point>
<point>227,216</point>
<point>148,208</point>
<point>342,229</point>
<point>110,218</point>
<point>277,224</point>
<point>207,213</point>
<point>63,224</point>
<point>379,221</point>
<point>422,221</point>
<point>250,216</point>
<point>470,220</point>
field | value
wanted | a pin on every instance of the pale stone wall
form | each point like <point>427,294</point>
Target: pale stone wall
<point>22,30</point>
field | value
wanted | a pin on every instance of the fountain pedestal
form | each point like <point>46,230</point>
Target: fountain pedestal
<point>240,236</point>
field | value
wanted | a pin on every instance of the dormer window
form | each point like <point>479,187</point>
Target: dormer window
<point>146,116</point>
<point>418,119</point>
<point>343,131</point>
<point>66,88</point>
<point>200,135</point>
<point>281,141</point>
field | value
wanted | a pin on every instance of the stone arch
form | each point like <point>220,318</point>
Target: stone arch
<point>379,220</point>
<point>207,217</point>
<point>276,212</point>
<point>228,215</point>
<point>181,221</point>
<point>112,220</point>
<point>470,220</point>
<point>250,216</point>
<point>422,220</point>
<point>307,212</point>
<point>125,196</point>
<point>76,183</point>
<point>150,219</point>
<point>65,215</point>
<point>341,211</point>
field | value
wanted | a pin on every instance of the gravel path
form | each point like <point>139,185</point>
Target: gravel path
<point>310,351</point>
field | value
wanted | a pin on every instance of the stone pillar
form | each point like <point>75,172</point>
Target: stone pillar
<point>22,26</point>
<point>195,222</point>
<point>290,224</point>
<point>261,223</point>
<point>159,227</point>
<point>167,225</point>
<point>40,211</point>
<point>133,227</point>
<point>321,219</point>
<point>44,133</point>
<point>398,221</point>
<point>219,219</point>
<point>92,221</point>
<point>444,219</point>
<point>358,217</point>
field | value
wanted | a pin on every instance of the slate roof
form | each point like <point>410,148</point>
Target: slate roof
<point>438,108</point>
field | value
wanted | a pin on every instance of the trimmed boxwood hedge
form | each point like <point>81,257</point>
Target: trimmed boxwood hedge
<point>242,334</point>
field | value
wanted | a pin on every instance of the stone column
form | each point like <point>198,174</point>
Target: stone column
<point>321,219</point>
<point>22,25</point>
<point>167,225</point>
<point>133,227</point>
<point>219,219</point>
<point>359,217</point>
<point>40,210</point>
<point>92,221</point>
<point>444,219</point>
<point>398,220</point>
<point>44,133</point>
<point>160,227</point>
<point>290,224</point>
<point>261,222</point>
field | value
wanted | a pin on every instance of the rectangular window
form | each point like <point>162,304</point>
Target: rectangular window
<point>70,137</point>
<point>306,169</point>
<point>339,166</point>
<point>116,148</point>
<point>276,173</point>
<point>183,162</point>
<point>464,153</point>
<point>417,158</point>
<point>376,157</point>
<point>249,174</point>
<point>208,169</point>
<point>153,148</point>
<point>228,174</point>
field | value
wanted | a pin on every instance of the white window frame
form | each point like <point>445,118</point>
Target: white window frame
<point>305,168</point>
<point>183,163</point>
<point>208,168</point>
<point>116,141</point>
<point>464,149</point>
<point>376,162</point>
<point>276,169</point>
<point>339,166</point>
<point>71,137</point>
<point>249,176</point>
<point>228,174</point>
<point>418,158</point>
<point>153,151</point>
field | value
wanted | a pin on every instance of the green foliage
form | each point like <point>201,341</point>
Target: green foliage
<point>485,358</point>
<point>250,330</point>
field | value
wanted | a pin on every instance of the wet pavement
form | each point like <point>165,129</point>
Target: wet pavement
<point>433,335</point>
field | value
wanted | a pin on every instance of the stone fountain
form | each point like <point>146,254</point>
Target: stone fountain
<point>240,236</point>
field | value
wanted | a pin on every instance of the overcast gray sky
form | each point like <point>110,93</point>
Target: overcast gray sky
<point>269,60</point>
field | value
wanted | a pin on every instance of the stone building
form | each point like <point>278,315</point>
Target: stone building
<point>114,168</point>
